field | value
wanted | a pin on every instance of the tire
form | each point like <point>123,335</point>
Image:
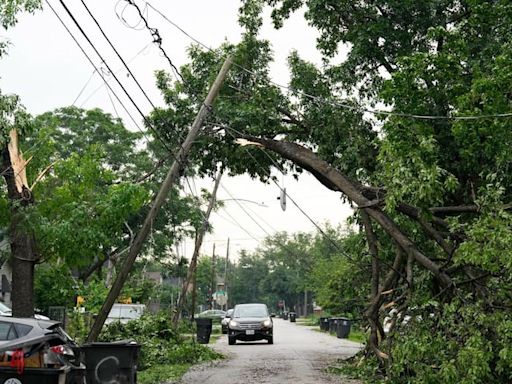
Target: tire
<point>270,339</point>
<point>231,340</point>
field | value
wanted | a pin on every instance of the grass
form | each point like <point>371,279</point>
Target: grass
<point>162,373</point>
<point>170,373</point>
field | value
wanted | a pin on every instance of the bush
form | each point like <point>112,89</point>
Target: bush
<point>162,344</point>
<point>462,343</point>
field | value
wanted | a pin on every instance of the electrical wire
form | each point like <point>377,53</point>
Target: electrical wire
<point>116,72</point>
<point>108,85</point>
<point>92,63</point>
<point>337,103</point>
<point>117,53</point>
<point>83,88</point>
<point>158,39</point>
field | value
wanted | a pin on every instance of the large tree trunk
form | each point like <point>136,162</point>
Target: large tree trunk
<point>22,240</point>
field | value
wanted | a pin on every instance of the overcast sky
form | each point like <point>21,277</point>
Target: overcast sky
<point>47,69</point>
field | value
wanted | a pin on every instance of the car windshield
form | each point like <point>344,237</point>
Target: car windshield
<point>251,311</point>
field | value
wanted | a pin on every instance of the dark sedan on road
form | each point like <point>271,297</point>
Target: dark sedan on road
<point>250,322</point>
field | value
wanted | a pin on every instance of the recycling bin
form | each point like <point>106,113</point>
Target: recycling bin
<point>343,328</point>
<point>114,362</point>
<point>293,317</point>
<point>203,330</point>
<point>285,315</point>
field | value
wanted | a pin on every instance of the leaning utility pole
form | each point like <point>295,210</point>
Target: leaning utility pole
<point>213,283</point>
<point>193,262</point>
<point>160,198</point>
<point>226,276</point>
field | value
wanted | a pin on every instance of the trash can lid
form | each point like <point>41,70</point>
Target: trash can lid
<point>110,343</point>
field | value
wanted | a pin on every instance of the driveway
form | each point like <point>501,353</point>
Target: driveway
<point>297,356</point>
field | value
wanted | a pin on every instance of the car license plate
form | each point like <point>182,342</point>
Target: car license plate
<point>249,332</point>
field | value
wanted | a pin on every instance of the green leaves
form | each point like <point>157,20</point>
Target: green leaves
<point>10,8</point>
<point>12,116</point>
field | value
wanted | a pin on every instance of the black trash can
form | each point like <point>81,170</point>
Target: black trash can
<point>333,324</point>
<point>285,315</point>
<point>203,330</point>
<point>114,362</point>
<point>33,375</point>
<point>293,316</point>
<point>324,324</point>
<point>343,328</point>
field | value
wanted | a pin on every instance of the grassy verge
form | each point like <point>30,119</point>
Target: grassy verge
<point>162,373</point>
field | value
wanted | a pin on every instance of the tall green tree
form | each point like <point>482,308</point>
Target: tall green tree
<point>431,171</point>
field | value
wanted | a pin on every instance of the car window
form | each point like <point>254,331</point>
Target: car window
<point>22,329</point>
<point>251,311</point>
<point>7,331</point>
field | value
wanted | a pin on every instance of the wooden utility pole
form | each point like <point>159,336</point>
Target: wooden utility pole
<point>226,276</point>
<point>213,285</point>
<point>159,200</point>
<point>193,262</point>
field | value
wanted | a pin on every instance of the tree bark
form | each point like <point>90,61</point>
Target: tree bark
<point>22,240</point>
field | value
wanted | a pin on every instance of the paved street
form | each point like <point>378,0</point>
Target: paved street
<point>296,357</point>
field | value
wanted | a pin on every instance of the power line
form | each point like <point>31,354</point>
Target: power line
<point>247,213</point>
<point>92,63</point>
<point>239,225</point>
<point>83,88</point>
<point>118,55</point>
<point>333,102</point>
<point>157,39</point>
<point>116,72</point>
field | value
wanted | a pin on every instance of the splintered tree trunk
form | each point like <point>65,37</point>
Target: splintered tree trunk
<point>22,240</point>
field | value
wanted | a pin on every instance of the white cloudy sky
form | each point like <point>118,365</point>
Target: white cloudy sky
<point>47,69</point>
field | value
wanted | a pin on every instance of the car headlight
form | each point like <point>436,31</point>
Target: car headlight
<point>233,323</point>
<point>267,323</point>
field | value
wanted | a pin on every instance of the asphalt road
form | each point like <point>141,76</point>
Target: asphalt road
<point>297,356</point>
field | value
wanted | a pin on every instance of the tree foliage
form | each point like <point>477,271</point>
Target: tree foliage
<point>433,167</point>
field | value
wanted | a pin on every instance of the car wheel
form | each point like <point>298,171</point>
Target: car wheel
<point>231,340</point>
<point>271,339</point>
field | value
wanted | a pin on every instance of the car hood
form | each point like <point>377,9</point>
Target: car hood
<point>251,319</point>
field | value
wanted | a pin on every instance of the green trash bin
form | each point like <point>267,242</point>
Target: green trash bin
<point>114,362</point>
<point>203,329</point>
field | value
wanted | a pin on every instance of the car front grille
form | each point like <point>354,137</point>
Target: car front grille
<point>250,325</point>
